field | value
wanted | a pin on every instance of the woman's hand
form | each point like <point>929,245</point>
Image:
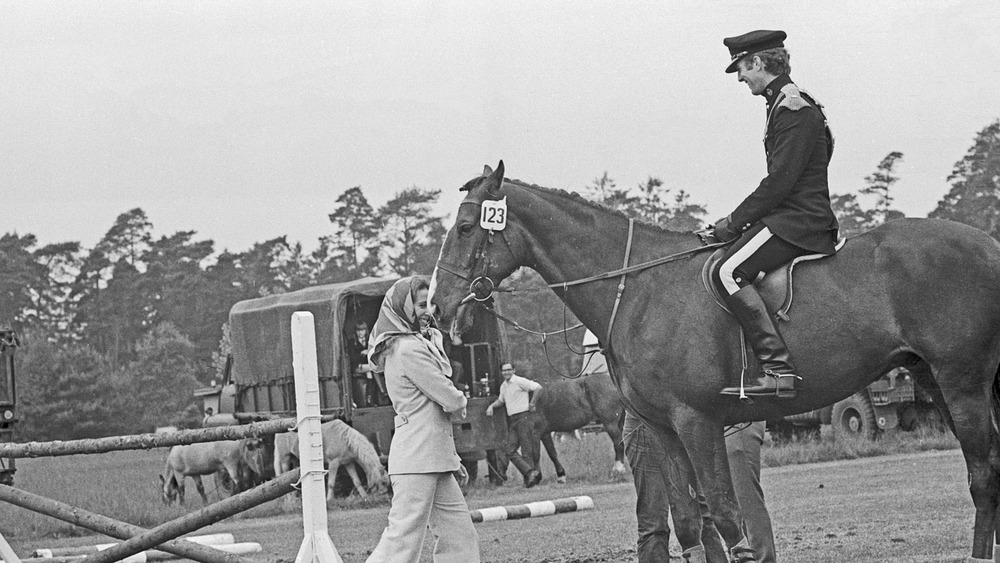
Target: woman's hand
<point>461,475</point>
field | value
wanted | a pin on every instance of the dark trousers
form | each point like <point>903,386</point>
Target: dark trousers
<point>756,252</point>
<point>647,459</point>
<point>519,436</point>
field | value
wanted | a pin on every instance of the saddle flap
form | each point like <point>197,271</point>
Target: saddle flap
<point>784,282</point>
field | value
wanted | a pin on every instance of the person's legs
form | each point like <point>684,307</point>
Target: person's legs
<point>645,456</point>
<point>755,253</point>
<point>412,500</point>
<point>517,436</point>
<point>743,449</point>
<point>456,539</point>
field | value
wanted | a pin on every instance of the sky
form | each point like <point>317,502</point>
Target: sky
<point>244,121</point>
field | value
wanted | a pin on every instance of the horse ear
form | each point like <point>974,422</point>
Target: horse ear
<point>487,170</point>
<point>495,180</point>
<point>162,480</point>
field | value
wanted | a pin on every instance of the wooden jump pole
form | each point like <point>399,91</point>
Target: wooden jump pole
<point>6,553</point>
<point>317,546</point>
<point>276,488</point>
<point>145,441</point>
<point>108,526</point>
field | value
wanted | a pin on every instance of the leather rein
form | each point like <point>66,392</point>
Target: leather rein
<point>482,287</point>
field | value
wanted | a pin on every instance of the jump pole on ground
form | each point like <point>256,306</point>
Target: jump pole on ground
<point>317,546</point>
<point>532,509</point>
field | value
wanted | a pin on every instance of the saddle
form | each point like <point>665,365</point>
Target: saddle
<point>785,281</point>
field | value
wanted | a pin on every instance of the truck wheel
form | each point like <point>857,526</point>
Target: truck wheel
<point>855,417</point>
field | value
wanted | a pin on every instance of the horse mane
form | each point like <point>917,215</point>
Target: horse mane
<point>576,197</point>
<point>363,450</point>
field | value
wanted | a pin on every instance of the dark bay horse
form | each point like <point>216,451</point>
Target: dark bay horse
<point>919,293</point>
<point>570,404</point>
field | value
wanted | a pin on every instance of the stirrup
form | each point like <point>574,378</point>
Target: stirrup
<point>765,389</point>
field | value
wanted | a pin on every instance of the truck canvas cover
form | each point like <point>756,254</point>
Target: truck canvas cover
<point>260,336</point>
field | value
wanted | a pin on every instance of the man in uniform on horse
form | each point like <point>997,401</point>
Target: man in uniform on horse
<point>787,216</point>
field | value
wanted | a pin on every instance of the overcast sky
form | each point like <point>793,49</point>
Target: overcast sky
<point>244,121</point>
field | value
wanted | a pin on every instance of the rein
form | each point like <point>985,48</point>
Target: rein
<point>481,287</point>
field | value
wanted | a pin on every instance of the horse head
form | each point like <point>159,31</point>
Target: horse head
<point>169,490</point>
<point>475,259</point>
<point>380,485</point>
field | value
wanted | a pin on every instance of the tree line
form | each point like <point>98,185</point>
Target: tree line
<point>116,338</point>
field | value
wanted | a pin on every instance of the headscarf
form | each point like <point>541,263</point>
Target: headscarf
<point>397,317</point>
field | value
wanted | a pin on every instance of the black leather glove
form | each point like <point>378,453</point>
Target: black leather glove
<point>725,231</point>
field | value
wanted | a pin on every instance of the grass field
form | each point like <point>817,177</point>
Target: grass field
<point>125,486</point>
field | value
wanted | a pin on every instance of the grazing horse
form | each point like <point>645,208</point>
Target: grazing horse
<point>571,404</point>
<point>342,445</point>
<point>195,460</point>
<point>919,293</point>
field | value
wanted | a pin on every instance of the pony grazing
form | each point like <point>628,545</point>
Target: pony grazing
<point>568,405</point>
<point>195,460</point>
<point>919,293</point>
<point>342,445</point>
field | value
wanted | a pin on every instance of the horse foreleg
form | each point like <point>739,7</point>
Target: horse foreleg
<point>201,488</point>
<point>331,478</point>
<point>703,440</point>
<point>550,449</point>
<point>693,525</point>
<point>358,486</point>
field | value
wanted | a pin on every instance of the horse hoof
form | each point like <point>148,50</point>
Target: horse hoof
<point>561,480</point>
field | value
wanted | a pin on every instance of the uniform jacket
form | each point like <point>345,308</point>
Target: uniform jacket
<point>793,200</point>
<point>417,377</point>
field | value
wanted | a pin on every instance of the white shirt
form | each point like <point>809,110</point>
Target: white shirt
<point>514,393</point>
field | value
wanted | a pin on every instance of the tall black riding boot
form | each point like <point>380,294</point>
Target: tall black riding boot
<point>777,373</point>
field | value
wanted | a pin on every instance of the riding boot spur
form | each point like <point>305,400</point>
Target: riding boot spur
<point>777,373</point>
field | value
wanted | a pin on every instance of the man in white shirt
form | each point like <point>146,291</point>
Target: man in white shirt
<point>519,394</point>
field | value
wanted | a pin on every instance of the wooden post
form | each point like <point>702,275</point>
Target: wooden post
<point>212,513</point>
<point>6,553</point>
<point>317,546</point>
<point>144,441</point>
<point>108,526</point>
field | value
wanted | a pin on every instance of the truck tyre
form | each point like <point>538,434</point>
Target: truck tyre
<point>854,417</point>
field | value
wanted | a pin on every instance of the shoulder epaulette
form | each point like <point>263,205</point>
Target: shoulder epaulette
<point>791,98</point>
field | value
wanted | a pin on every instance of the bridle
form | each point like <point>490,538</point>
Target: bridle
<point>482,287</point>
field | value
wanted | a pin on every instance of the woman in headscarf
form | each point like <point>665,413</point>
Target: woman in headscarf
<point>424,467</point>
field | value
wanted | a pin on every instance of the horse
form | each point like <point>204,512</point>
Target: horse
<point>568,405</point>
<point>342,445</point>
<point>195,460</point>
<point>919,293</point>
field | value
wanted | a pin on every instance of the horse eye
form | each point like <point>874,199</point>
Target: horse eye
<point>465,229</point>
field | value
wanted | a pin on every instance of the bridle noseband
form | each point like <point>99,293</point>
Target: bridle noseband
<point>481,286</point>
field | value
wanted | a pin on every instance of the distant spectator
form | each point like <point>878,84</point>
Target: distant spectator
<point>519,394</point>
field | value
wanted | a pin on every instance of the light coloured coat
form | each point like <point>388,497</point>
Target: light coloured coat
<point>418,379</point>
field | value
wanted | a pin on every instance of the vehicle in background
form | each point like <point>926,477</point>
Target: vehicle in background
<point>892,401</point>
<point>259,382</point>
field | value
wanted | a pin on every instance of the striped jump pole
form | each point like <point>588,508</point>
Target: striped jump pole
<point>317,547</point>
<point>532,509</point>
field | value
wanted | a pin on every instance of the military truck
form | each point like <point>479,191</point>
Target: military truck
<point>259,382</point>
<point>8,401</point>
<point>891,401</point>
